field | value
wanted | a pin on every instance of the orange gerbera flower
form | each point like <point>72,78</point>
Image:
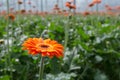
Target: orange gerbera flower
<point>86,13</point>
<point>45,47</point>
<point>96,1</point>
<point>56,7</point>
<point>23,11</point>
<point>117,7</point>
<point>11,17</point>
<point>20,2</point>
<point>67,4</point>
<point>29,2</point>
<point>70,6</point>
<point>91,4</point>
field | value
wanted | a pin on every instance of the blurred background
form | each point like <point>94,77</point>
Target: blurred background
<point>89,30</point>
<point>48,5</point>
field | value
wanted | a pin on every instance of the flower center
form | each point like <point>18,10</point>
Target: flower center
<point>44,46</point>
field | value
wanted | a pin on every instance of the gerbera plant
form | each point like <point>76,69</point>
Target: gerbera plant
<point>46,48</point>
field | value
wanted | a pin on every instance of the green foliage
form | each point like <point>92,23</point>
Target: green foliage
<point>5,77</point>
<point>92,53</point>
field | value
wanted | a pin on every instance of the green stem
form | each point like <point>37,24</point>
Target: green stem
<point>97,10</point>
<point>41,68</point>
<point>7,38</point>
<point>8,46</point>
<point>66,36</point>
<point>67,30</point>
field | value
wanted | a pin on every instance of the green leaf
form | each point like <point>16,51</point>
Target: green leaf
<point>5,77</point>
<point>55,65</point>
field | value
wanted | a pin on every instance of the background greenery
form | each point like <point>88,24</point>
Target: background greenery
<point>92,52</point>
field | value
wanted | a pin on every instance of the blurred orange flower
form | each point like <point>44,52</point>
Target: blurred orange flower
<point>91,4</point>
<point>86,13</point>
<point>11,17</point>
<point>117,7</point>
<point>45,47</point>
<point>3,12</point>
<point>29,2</point>
<point>96,1</point>
<point>108,7</point>
<point>72,7</point>
<point>68,4</point>
<point>23,11</point>
<point>56,7</point>
<point>20,2</point>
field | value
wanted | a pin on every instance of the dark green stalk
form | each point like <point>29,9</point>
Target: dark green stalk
<point>41,68</point>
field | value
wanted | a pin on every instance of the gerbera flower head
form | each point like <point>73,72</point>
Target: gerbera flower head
<point>56,7</point>
<point>117,7</point>
<point>70,6</point>
<point>96,1</point>
<point>20,2</point>
<point>11,17</point>
<point>86,13</point>
<point>47,47</point>
<point>67,4</point>
<point>29,2</point>
<point>91,4</point>
<point>108,7</point>
<point>23,11</point>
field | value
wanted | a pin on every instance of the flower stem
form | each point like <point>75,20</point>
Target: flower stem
<point>67,30</point>
<point>8,56</point>
<point>41,68</point>
<point>66,36</point>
